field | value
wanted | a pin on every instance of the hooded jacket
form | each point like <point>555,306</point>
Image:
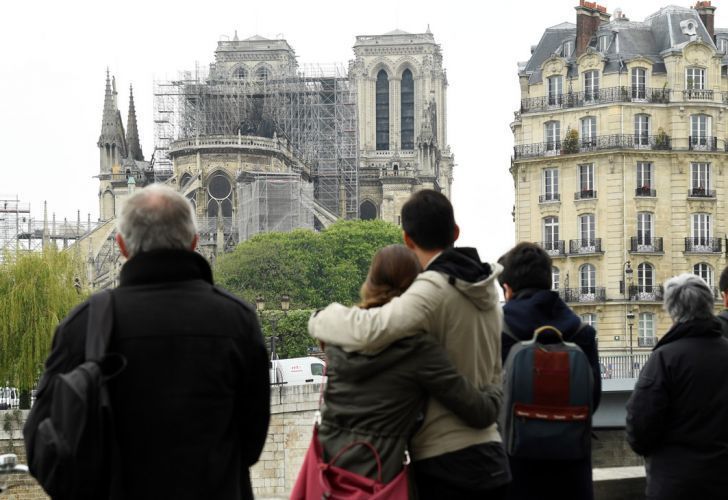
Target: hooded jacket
<point>456,300</point>
<point>677,414</point>
<point>380,399</point>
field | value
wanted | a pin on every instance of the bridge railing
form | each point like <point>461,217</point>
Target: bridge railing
<point>622,365</point>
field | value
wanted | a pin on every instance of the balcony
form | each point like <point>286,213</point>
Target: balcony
<point>646,293</point>
<point>555,248</point>
<point>584,294</point>
<point>623,365</point>
<point>701,192</point>
<point>702,143</point>
<point>646,341</point>
<point>549,198</point>
<point>698,244</point>
<point>698,95</point>
<point>591,98</point>
<point>585,194</point>
<point>585,246</point>
<point>641,244</point>
<point>645,191</point>
<point>599,143</point>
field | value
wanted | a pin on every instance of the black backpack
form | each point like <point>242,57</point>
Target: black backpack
<point>68,434</point>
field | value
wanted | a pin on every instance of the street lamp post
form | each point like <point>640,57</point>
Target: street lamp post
<point>628,278</point>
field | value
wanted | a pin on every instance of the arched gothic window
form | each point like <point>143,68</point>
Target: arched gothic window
<point>408,110</point>
<point>382,111</point>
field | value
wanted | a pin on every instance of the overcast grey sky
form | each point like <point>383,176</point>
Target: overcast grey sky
<point>55,56</point>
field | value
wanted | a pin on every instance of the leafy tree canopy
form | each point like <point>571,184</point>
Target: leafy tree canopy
<point>36,293</point>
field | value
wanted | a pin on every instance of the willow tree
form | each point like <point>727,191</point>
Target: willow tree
<point>36,292</point>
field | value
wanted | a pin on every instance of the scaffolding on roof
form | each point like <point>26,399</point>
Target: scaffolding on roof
<point>314,111</point>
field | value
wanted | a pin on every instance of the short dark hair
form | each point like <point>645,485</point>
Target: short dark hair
<point>427,217</point>
<point>723,282</point>
<point>526,265</point>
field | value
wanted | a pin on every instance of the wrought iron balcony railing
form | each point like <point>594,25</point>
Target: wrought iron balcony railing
<point>602,142</point>
<point>645,191</point>
<point>585,194</point>
<point>550,197</point>
<point>702,143</point>
<point>646,293</point>
<point>698,95</point>
<point>585,246</point>
<point>700,192</point>
<point>584,294</point>
<point>555,248</point>
<point>591,98</point>
<point>641,244</point>
<point>646,341</point>
<point>699,244</point>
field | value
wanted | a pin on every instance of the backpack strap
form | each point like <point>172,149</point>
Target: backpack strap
<point>100,323</point>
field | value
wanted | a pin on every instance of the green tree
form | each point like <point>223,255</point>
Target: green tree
<point>36,292</point>
<point>291,330</point>
<point>315,269</point>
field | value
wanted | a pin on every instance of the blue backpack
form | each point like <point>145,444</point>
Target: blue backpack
<point>547,406</point>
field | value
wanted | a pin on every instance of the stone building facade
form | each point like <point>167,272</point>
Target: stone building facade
<point>620,146</point>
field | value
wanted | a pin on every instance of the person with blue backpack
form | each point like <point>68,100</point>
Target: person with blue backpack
<point>539,328</point>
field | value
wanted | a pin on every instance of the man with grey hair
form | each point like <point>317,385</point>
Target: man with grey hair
<point>677,414</point>
<point>191,408</point>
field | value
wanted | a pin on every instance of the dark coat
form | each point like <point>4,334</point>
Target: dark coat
<point>564,479</point>
<point>381,398</point>
<point>677,416</point>
<point>192,405</point>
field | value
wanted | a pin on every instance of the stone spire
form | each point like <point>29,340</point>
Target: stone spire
<point>112,140</point>
<point>132,133</point>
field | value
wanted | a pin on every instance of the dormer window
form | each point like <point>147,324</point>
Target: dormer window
<point>568,49</point>
<point>695,78</point>
<point>603,43</point>
<point>723,45</point>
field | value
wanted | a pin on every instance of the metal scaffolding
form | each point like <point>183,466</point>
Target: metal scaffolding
<point>314,111</point>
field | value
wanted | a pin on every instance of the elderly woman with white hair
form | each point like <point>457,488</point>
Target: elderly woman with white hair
<point>677,416</point>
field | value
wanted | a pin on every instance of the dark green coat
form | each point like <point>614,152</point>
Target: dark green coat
<point>381,399</point>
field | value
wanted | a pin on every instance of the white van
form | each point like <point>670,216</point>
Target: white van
<point>297,371</point>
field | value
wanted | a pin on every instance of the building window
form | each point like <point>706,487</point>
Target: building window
<point>367,210</point>
<point>695,78</point>
<point>589,132</point>
<point>645,278</point>
<point>641,130</point>
<point>552,131</point>
<point>568,49</point>
<point>587,231</point>
<point>555,89</point>
<point>555,278</point>
<point>700,179</point>
<point>722,45</point>
<point>587,279</point>
<point>551,184</point>
<point>262,74</point>
<point>590,319</point>
<point>639,83</point>
<point>646,329</point>
<point>644,228</point>
<point>699,131</point>
<point>408,110</point>
<point>586,181</point>
<point>705,271</point>
<point>591,85</point>
<point>701,230</point>
<point>644,179</point>
<point>603,43</point>
<point>240,73</point>
<point>551,235</point>
<point>220,193</point>
<point>382,111</point>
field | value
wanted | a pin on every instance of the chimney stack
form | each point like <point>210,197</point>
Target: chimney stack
<point>707,15</point>
<point>589,15</point>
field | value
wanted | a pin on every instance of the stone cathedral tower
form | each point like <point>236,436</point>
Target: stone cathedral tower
<point>121,161</point>
<point>402,109</point>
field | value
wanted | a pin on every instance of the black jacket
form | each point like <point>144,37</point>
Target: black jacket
<point>526,311</point>
<point>192,405</point>
<point>677,416</point>
<point>381,399</point>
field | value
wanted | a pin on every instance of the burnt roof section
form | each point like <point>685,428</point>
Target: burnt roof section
<point>650,39</point>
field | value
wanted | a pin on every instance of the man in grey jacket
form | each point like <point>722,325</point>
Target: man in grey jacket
<point>456,300</point>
